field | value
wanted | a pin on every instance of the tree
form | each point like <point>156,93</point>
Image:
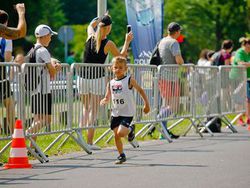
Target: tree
<point>206,23</point>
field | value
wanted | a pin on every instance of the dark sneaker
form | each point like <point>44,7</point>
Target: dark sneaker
<point>1,164</point>
<point>131,135</point>
<point>121,159</point>
<point>173,136</point>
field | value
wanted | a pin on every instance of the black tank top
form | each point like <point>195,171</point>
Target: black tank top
<point>91,56</point>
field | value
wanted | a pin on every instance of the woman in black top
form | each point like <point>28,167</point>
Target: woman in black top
<point>91,82</point>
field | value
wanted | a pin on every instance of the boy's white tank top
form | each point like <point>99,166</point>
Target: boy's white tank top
<point>122,98</point>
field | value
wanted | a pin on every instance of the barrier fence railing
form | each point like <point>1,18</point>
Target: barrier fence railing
<point>174,92</point>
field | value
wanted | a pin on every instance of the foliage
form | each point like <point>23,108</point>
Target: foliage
<point>207,23</point>
<point>77,44</point>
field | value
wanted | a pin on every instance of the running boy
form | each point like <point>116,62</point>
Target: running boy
<point>119,90</point>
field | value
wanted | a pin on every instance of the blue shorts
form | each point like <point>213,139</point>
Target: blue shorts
<point>248,91</point>
<point>120,120</point>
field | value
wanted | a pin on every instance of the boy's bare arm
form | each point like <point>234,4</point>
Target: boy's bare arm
<point>106,99</point>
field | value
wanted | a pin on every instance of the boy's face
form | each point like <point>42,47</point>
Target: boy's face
<point>119,69</point>
<point>46,40</point>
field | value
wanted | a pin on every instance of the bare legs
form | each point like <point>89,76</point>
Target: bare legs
<point>120,132</point>
<point>90,110</point>
<point>10,113</point>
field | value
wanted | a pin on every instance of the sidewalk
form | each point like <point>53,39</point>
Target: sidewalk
<point>222,161</point>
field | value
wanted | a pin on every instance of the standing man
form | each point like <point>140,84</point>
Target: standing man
<point>5,90</point>
<point>20,30</point>
<point>242,57</point>
<point>170,54</point>
<point>41,97</point>
<point>15,33</point>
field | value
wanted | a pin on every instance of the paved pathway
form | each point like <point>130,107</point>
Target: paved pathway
<point>222,161</point>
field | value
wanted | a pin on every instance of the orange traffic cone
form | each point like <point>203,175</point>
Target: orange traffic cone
<point>18,152</point>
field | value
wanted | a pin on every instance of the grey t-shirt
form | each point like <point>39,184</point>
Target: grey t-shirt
<point>43,56</point>
<point>168,49</point>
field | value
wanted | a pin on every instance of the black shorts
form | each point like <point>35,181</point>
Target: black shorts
<point>5,90</point>
<point>41,104</point>
<point>120,120</point>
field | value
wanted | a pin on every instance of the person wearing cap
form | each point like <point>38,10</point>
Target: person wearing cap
<point>170,54</point>
<point>41,99</point>
<point>91,82</point>
<point>18,32</point>
<point>242,57</point>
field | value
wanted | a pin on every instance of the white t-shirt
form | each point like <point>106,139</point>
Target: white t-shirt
<point>203,62</point>
<point>122,98</point>
<point>43,56</point>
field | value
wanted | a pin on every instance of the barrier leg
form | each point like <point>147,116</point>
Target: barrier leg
<point>53,143</point>
<point>64,141</point>
<point>81,142</point>
<point>164,133</point>
<point>228,123</point>
<point>148,130</point>
<point>5,147</point>
<point>142,129</point>
<point>42,155</point>
<point>35,154</point>
<point>109,139</point>
<point>102,136</point>
<point>236,118</point>
<point>206,126</point>
<point>176,123</point>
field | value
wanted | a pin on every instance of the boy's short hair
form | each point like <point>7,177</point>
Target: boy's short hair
<point>119,59</point>
<point>4,17</point>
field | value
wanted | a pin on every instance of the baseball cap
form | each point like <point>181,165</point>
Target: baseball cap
<point>43,30</point>
<point>173,26</point>
<point>106,19</point>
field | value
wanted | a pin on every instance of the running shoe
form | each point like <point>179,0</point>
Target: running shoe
<point>131,135</point>
<point>121,159</point>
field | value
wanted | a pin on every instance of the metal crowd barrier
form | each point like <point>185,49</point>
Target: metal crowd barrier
<point>174,99</point>
<point>174,92</point>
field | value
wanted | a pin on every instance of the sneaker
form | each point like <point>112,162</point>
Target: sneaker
<point>1,164</point>
<point>173,136</point>
<point>161,137</point>
<point>94,147</point>
<point>241,122</point>
<point>248,127</point>
<point>121,159</point>
<point>131,135</point>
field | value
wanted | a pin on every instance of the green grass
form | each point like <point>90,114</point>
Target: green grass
<point>71,146</point>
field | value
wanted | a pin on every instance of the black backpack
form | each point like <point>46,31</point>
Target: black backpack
<point>155,58</point>
<point>217,59</point>
<point>32,79</point>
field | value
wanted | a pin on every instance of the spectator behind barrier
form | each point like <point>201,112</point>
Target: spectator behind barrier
<point>20,31</point>
<point>91,81</point>
<point>170,54</point>
<point>222,57</point>
<point>41,98</point>
<point>6,95</point>
<point>242,57</point>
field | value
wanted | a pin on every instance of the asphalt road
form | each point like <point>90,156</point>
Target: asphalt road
<point>222,161</point>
